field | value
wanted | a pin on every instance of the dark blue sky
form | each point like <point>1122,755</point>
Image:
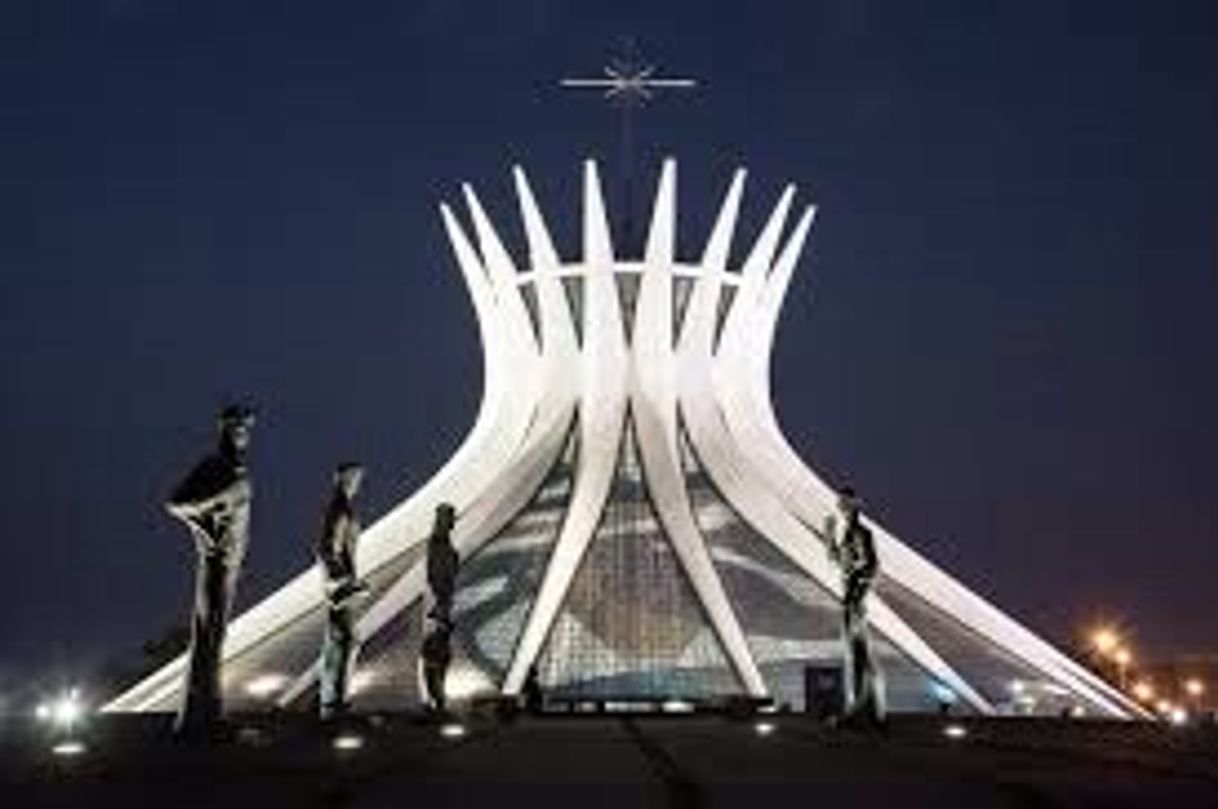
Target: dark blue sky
<point>1004,332</point>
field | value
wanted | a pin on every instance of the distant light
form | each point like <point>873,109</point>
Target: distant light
<point>69,748</point>
<point>265,685</point>
<point>347,742</point>
<point>64,712</point>
<point>1164,707</point>
<point>1194,687</point>
<point>1078,711</point>
<point>1105,640</point>
<point>676,706</point>
<point>1122,656</point>
<point>1143,691</point>
<point>452,730</point>
<point>1017,687</point>
<point>764,728</point>
<point>955,731</point>
<point>1178,716</point>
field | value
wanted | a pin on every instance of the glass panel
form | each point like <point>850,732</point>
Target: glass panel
<point>1010,685</point>
<point>727,294</point>
<point>682,287</point>
<point>573,290</point>
<point>528,293</point>
<point>790,621</point>
<point>628,297</point>
<point>631,625</point>
<point>495,588</point>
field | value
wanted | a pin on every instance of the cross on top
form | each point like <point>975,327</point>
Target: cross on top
<point>630,81</point>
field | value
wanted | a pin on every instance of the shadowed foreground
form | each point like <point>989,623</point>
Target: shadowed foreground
<point>287,761</point>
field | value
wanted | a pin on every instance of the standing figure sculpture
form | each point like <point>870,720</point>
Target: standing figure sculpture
<point>442,566</point>
<point>336,554</point>
<point>214,502</point>
<point>854,554</point>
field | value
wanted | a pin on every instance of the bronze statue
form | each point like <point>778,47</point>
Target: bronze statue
<point>854,554</point>
<point>214,502</point>
<point>336,553</point>
<point>442,567</point>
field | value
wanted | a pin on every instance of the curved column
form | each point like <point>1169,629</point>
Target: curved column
<point>601,422</point>
<point>654,405</point>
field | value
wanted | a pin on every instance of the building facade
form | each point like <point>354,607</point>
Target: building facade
<point>632,521</point>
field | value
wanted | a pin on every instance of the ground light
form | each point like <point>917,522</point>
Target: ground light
<point>68,748</point>
<point>452,730</point>
<point>955,731</point>
<point>348,742</point>
<point>764,729</point>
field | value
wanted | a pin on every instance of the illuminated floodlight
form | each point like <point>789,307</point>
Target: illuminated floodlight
<point>1018,687</point>
<point>467,682</point>
<point>1164,707</point>
<point>676,706</point>
<point>1194,687</point>
<point>360,681</point>
<point>348,742</point>
<point>1143,690</point>
<point>265,685</point>
<point>69,748</point>
<point>1122,656</point>
<point>452,730</point>
<point>955,731</point>
<point>764,729</point>
<point>1177,716</point>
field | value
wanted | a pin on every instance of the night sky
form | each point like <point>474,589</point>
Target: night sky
<point>1003,333</point>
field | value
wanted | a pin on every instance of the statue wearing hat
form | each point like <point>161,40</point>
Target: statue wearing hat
<point>214,502</point>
